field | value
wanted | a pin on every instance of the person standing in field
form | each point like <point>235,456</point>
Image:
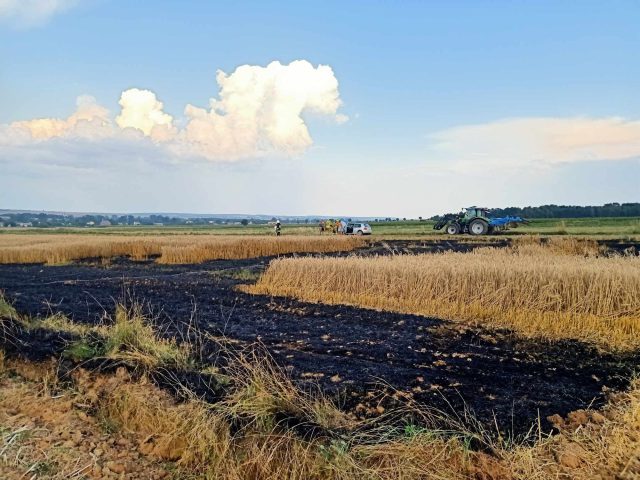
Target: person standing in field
<point>277,228</point>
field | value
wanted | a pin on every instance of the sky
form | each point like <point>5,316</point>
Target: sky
<point>359,108</point>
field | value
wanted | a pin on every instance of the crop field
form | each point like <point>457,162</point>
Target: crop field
<point>315,357</point>
<point>559,290</point>
<point>56,249</point>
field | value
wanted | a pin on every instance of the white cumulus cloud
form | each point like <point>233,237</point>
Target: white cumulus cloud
<point>537,141</point>
<point>258,112</point>
<point>32,12</point>
<point>143,111</point>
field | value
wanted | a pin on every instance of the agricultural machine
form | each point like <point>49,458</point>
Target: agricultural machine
<point>476,221</point>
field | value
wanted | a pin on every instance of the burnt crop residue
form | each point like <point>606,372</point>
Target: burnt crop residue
<point>370,361</point>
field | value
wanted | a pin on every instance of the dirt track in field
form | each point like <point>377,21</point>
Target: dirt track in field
<point>370,360</point>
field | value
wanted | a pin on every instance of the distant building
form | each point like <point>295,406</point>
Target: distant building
<point>24,224</point>
<point>91,224</point>
<point>105,223</point>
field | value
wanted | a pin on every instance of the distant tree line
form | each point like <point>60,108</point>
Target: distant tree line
<point>34,219</point>
<point>572,211</point>
<point>569,211</point>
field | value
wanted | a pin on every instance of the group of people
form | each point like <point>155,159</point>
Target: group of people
<point>338,227</point>
<point>333,226</point>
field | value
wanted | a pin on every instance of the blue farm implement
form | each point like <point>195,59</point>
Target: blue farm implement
<point>476,221</point>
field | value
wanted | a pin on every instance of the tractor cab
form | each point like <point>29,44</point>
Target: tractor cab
<point>476,212</point>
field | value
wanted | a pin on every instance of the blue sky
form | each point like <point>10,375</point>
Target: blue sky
<point>448,104</point>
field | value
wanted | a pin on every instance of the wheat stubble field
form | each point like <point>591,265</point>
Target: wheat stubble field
<point>563,289</point>
<point>318,357</point>
<point>61,248</point>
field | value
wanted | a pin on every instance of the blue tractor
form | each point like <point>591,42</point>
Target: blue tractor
<point>476,221</point>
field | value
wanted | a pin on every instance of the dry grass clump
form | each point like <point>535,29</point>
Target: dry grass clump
<point>241,437</point>
<point>59,248</point>
<point>202,438</point>
<point>531,290</point>
<point>264,396</point>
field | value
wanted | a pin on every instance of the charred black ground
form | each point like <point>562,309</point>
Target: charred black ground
<point>364,357</point>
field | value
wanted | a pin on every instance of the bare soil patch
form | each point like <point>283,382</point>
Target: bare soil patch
<point>50,432</point>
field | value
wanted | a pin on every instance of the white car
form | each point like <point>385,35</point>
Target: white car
<point>358,229</point>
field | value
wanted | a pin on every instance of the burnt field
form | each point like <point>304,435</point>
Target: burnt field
<point>370,361</point>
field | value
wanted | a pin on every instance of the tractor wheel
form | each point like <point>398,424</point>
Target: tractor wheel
<point>453,229</point>
<point>478,227</point>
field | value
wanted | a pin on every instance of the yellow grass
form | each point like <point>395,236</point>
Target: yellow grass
<point>197,440</point>
<point>533,289</point>
<point>62,248</point>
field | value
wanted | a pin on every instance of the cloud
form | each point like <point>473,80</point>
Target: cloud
<point>535,142</point>
<point>89,121</point>
<point>259,112</point>
<point>143,111</point>
<point>26,13</point>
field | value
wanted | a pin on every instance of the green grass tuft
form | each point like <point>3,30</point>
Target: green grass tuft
<point>82,350</point>
<point>6,309</point>
<point>132,337</point>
